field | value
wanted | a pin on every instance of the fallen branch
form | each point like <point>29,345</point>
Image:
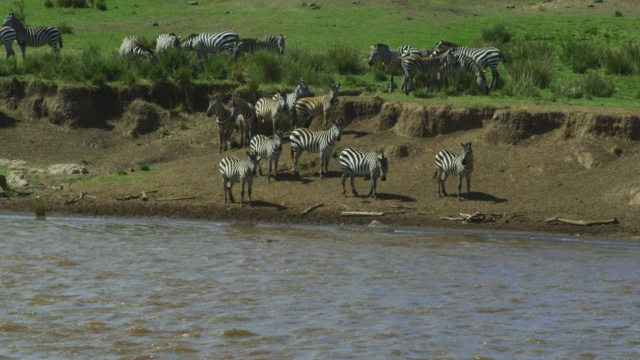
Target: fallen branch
<point>558,220</point>
<point>475,217</point>
<point>177,198</point>
<point>401,207</point>
<point>83,195</point>
<point>311,208</point>
<point>361,213</point>
<point>142,195</point>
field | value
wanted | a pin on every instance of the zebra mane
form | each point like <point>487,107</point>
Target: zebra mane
<point>381,45</point>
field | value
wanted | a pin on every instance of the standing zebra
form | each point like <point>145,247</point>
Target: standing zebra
<point>301,91</point>
<point>7,37</point>
<point>307,108</point>
<point>489,56</point>
<point>447,162</point>
<point>314,142</point>
<point>234,170</point>
<point>269,148</point>
<point>408,50</point>
<point>224,120</point>
<point>413,65</point>
<point>247,125</point>
<point>131,48</point>
<point>167,41</point>
<point>389,58</point>
<point>267,43</point>
<point>271,108</point>
<point>471,66</point>
<point>34,37</point>
<point>355,162</point>
<point>212,43</point>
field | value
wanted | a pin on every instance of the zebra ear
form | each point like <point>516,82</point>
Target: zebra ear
<point>372,47</point>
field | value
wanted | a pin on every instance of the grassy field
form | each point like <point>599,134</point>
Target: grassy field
<point>332,43</point>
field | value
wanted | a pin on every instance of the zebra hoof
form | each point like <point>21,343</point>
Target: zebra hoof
<point>355,193</point>
<point>344,194</point>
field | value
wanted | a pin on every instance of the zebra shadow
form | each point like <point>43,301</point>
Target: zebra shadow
<point>403,198</point>
<point>480,196</point>
<point>287,176</point>
<point>356,134</point>
<point>260,203</point>
<point>6,121</point>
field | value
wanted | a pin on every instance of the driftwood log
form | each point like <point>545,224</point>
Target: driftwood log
<point>476,217</point>
<point>311,208</point>
<point>370,213</point>
<point>83,195</point>
<point>559,220</point>
<point>142,195</point>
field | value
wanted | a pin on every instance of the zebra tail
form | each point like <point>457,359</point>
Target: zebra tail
<point>60,42</point>
<point>504,59</point>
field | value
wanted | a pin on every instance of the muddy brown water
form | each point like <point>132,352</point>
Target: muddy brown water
<point>105,288</point>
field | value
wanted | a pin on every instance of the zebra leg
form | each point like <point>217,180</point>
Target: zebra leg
<point>242,194</point>
<point>230,192</point>
<point>353,185</point>
<point>468,183</point>
<point>441,182</point>
<point>275,165</point>
<point>459,184</point>
<point>269,176</point>
<point>391,84</point>
<point>344,179</point>
<point>224,188</point>
<point>321,165</point>
<point>259,167</point>
<point>372,191</point>
<point>249,186</point>
<point>221,139</point>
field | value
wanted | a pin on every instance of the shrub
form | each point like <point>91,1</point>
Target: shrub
<point>144,166</point>
<point>98,67</point>
<point>523,86</point>
<point>568,88</point>
<point>65,29</point>
<point>531,61</point>
<point>618,62</point>
<point>48,4</point>
<point>265,67</point>
<point>582,55</point>
<point>345,59</point>
<point>39,206</point>
<point>497,35</point>
<point>597,85</point>
<point>101,5</point>
<point>18,12</point>
<point>72,3</point>
<point>618,13</point>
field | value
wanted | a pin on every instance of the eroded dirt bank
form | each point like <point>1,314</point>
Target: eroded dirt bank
<point>531,163</point>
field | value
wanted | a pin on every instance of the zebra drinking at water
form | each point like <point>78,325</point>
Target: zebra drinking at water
<point>448,163</point>
<point>314,142</point>
<point>271,108</point>
<point>212,43</point>
<point>358,163</point>
<point>267,43</point>
<point>431,66</point>
<point>234,170</point>
<point>307,108</point>
<point>247,124</point>
<point>224,120</point>
<point>269,148</point>
<point>489,56</point>
<point>7,37</point>
<point>34,37</point>
<point>167,41</point>
<point>131,48</point>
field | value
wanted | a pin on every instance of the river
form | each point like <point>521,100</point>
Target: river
<point>139,289</point>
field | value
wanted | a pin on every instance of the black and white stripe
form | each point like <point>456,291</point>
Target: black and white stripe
<point>301,91</point>
<point>167,41</point>
<point>7,37</point>
<point>212,43</point>
<point>271,108</point>
<point>234,170</point>
<point>34,37</point>
<point>131,48</point>
<point>224,121</point>
<point>408,50</point>
<point>448,163</point>
<point>314,142</point>
<point>471,66</point>
<point>244,115</point>
<point>188,43</point>
<point>267,43</point>
<point>268,148</point>
<point>358,163</point>
<point>489,57</point>
<point>307,108</point>
<point>431,66</point>
<point>389,58</point>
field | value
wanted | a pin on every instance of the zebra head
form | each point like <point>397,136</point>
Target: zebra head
<point>336,130</point>
<point>235,109</point>
<point>214,105</point>
<point>252,158</point>
<point>281,96</point>
<point>467,154</point>
<point>278,137</point>
<point>376,53</point>
<point>187,43</point>
<point>11,21</point>
<point>383,163</point>
<point>333,96</point>
<point>302,90</point>
<point>280,43</point>
<point>443,46</point>
<point>450,58</point>
<point>481,80</point>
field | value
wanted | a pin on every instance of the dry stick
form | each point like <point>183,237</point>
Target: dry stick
<point>361,213</point>
<point>311,208</point>
<point>581,222</point>
<point>142,195</point>
<point>177,198</point>
<point>82,196</point>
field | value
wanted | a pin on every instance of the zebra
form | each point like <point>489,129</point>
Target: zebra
<point>188,42</point>
<point>301,91</point>
<point>307,108</point>
<point>167,41</point>
<point>34,37</point>
<point>224,120</point>
<point>447,162</point>
<point>247,126</point>
<point>271,108</point>
<point>389,58</point>
<point>269,148</point>
<point>355,162</point>
<point>314,142</point>
<point>7,37</point>
<point>131,48</point>
<point>268,43</point>
<point>234,170</point>
<point>413,65</point>
<point>488,56</point>
<point>408,50</point>
<point>470,65</point>
<point>212,43</point>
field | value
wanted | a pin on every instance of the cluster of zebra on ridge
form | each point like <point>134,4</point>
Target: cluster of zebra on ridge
<point>225,41</point>
<point>447,58</point>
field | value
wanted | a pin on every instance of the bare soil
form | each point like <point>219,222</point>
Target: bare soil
<point>531,164</point>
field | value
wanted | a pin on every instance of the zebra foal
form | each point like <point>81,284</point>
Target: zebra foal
<point>267,43</point>
<point>268,148</point>
<point>448,163</point>
<point>314,142</point>
<point>233,170</point>
<point>241,109</point>
<point>131,48</point>
<point>223,119</point>
<point>307,108</point>
<point>34,37</point>
<point>7,37</point>
<point>488,56</point>
<point>358,163</point>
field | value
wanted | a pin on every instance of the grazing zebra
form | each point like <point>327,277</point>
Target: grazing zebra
<point>7,37</point>
<point>314,142</point>
<point>234,170</point>
<point>188,42</point>
<point>211,43</point>
<point>167,41</point>
<point>267,43</point>
<point>447,162</point>
<point>307,108</point>
<point>247,125</point>
<point>271,108</point>
<point>355,162</point>
<point>301,91</point>
<point>489,56</point>
<point>224,120</point>
<point>413,65</point>
<point>131,48</point>
<point>269,148</point>
<point>34,37</point>
<point>470,65</point>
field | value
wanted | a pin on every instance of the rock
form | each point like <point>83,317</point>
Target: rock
<point>140,118</point>
<point>17,179</point>
<point>63,169</point>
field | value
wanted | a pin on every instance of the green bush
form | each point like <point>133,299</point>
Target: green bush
<point>598,85</point>
<point>522,86</point>
<point>98,67</point>
<point>497,35</point>
<point>265,67</point>
<point>531,61</point>
<point>18,11</point>
<point>101,5</point>
<point>72,3</point>
<point>569,88</point>
<point>65,29</point>
<point>618,13</point>
<point>618,62</point>
<point>581,56</point>
<point>345,59</point>
<point>48,4</point>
